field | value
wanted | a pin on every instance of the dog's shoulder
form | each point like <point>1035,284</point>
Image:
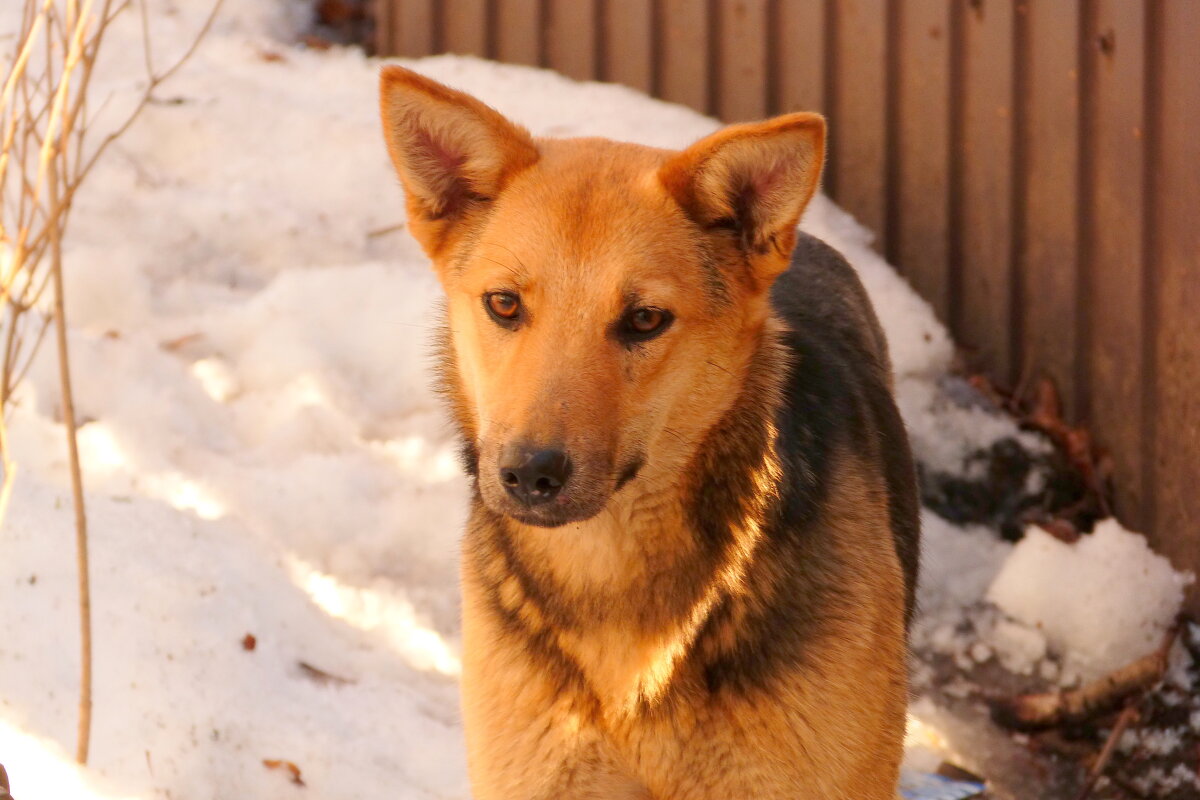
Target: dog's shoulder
<point>840,386</point>
<point>820,293</point>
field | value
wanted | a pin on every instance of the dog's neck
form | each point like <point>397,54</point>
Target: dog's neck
<point>628,592</point>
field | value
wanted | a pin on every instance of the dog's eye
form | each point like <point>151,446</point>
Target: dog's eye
<point>647,320</point>
<point>641,324</point>
<point>505,307</point>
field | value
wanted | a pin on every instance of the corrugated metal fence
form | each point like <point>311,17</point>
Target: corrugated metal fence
<point>1032,166</point>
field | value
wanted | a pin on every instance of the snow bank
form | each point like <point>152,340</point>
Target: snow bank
<point>1103,601</point>
<point>181,703</point>
<point>1042,607</point>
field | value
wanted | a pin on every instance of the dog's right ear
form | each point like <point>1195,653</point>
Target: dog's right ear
<point>753,180</point>
<point>453,153</point>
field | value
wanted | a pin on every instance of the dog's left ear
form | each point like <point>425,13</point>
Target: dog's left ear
<point>453,153</point>
<point>754,179</point>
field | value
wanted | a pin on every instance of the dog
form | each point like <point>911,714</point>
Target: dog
<point>691,554</point>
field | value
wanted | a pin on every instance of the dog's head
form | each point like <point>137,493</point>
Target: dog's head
<point>604,299</point>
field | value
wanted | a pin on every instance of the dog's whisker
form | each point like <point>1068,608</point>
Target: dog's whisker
<point>679,436</point>
<point>511,270</point>
<point>718,366</point>
<point>511,253</point>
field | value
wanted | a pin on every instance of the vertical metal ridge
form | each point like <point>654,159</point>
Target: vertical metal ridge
<point>1086,222</point>
<point>437,33</point>
<point>771,54</point>
<point>829,90</point>
<point>716,57</point>
<point>1152,143</point>
<point>954,215</point>
<point>384,11</point>
<point>657,13</point>
<point>1018,366</point>
<point>892,212</point>
<point>543,23</point>
<point>600,41</point>
<point>490,47</point>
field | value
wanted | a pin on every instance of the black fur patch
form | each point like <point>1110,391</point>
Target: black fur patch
<point>822,300</point>
<point>836,396</point>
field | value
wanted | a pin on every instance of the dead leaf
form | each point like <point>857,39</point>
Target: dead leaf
<point>293,770</point>
<point>315,42</point>
<point>1061,529</point>
<point>180,342</point>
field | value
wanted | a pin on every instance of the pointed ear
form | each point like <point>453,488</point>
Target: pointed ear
<point>754,179</point>
<point>452,152</point>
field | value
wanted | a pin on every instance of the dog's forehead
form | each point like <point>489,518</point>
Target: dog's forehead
<point>592,211</point>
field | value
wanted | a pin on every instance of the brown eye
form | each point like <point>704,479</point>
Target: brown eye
<point>642,324</point>
<point>646,320</point>
<point>505,307</point>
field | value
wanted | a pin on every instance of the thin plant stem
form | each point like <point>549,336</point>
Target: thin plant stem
<point>81,530</point>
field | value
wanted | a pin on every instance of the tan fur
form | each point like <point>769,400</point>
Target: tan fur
<point>583,671</point>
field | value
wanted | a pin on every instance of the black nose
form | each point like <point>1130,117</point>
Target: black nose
<point>533,476</point>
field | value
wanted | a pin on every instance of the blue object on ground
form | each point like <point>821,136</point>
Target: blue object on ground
<point>919,786</point>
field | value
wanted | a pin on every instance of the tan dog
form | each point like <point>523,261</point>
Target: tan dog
<point>692,545</point>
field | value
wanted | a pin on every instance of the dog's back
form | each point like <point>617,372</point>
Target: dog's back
<point>841,385</point>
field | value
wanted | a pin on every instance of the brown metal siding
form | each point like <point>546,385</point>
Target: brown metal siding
<point>1172,477</point>
<point>919,180</point>
<point>1048,206</point>
<point>1032,166</point>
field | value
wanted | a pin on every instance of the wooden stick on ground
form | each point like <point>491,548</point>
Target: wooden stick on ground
<point>1032,712</point>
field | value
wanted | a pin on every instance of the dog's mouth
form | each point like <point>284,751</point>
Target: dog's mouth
<point>629,473</point>
<point>547,517</point>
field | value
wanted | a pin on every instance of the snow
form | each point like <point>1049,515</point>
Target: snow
<point>1021,648</point>
<point>264,456</point>
<point>1153,741</point>
<point>1105,600</point>
<point>1158,782</point>
<point>958,564</point>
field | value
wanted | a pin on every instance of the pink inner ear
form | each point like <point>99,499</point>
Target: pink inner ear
<point>768,180</point>
<point>444,161</point>
<point>440,168</point>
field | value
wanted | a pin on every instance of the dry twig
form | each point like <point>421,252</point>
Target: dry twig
<point>1126,718</point>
